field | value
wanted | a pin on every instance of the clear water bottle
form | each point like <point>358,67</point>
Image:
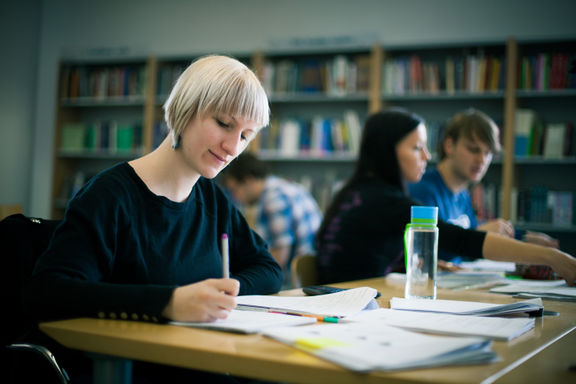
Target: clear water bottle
<point>421,249</point>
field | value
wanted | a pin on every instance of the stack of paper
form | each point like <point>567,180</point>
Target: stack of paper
<point>555,289</point>
<point>368,346</point>
<point>456,307</point>
<point>488,265</point>
<point>469,280</point>
<point>496,328</point>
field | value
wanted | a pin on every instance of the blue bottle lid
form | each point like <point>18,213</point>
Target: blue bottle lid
<point>424,215</point>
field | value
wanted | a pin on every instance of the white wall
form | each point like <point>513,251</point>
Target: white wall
<point>176,27</point>
<point>19,37</point>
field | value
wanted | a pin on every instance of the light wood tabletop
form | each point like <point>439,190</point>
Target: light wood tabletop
<point>548,349</point>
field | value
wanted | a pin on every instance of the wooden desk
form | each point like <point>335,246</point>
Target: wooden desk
<point>258,357</point>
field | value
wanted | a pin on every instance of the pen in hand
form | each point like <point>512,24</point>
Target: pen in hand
<point>225,257</point>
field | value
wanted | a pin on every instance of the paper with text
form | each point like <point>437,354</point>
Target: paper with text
<point>456,307</point>
<point>546,288</point>
<point>339,304</point>
<point>369,346</point>
<point>249,322</point>
<point>496,328</point>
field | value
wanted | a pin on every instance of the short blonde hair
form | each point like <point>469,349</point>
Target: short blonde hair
<point>216,84</point>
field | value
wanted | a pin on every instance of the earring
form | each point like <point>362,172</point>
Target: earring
<point>175,141</point>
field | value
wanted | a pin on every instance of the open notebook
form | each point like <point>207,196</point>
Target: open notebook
<point>333,305</point>
<point>255,313</point>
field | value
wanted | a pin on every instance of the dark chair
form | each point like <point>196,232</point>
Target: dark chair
<point>304,271</point>
<point>22,241</point>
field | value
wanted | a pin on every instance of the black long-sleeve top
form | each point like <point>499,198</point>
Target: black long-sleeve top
<point>364,238</point>
<point>121,250</point>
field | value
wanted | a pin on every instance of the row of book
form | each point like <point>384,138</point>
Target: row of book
<point>103,82</point>
<point>338,75</point>
<point>541,205</point>
<point>535,205</point>
<point>315,137</point>
<point>101,137</point>
<point>535,137</point>
<point>469,73</point>
<point>545,71</point>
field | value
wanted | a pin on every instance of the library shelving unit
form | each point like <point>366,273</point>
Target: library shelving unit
<point>104,115</point>
<point>544,161</point>
<point>319,100</point>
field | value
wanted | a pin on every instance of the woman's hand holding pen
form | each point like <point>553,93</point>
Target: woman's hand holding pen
<point>205,301</point>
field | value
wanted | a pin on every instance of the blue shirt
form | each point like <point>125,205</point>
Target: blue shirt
<point>454,208</point>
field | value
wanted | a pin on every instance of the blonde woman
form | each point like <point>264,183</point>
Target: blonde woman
<point>141,241</point>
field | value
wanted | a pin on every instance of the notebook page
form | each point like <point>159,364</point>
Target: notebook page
<point>249,322</point>
<point>339,304</point>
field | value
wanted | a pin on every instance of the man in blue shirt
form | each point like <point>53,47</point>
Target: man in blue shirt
<point>284,213</point>
<point>469,142</point>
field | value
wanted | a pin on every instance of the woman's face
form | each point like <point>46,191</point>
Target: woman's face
<point>209,144</point>
<point>413,154</point>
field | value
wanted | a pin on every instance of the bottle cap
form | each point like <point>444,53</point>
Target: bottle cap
<point>424,215</point>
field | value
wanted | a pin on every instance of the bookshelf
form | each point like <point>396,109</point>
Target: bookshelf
<point>544,139</point>
<point>103,116</point>
<point>320,98</point>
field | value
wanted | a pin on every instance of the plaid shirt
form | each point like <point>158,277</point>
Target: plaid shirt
<point>287,216</point>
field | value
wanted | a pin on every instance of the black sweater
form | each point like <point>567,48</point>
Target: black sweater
<point>121,250</point>
<point>365,237</point>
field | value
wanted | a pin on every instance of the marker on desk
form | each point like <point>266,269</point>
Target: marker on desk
<point>326,319</point>
<point>225,257</point>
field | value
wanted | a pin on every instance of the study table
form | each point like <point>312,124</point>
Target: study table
<point>547,351</point>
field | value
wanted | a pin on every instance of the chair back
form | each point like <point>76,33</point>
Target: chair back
<point>304,271</point>
<point>22,240</point>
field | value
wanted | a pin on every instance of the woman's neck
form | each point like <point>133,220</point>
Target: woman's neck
<point>165,174</point>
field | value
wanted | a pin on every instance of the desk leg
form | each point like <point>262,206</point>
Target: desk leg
<point>111,370</point>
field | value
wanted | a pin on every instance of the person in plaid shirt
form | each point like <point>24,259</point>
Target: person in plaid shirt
<point>283,212</point>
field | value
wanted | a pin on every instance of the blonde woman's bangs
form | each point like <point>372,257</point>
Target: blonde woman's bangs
<point>216,84</point>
